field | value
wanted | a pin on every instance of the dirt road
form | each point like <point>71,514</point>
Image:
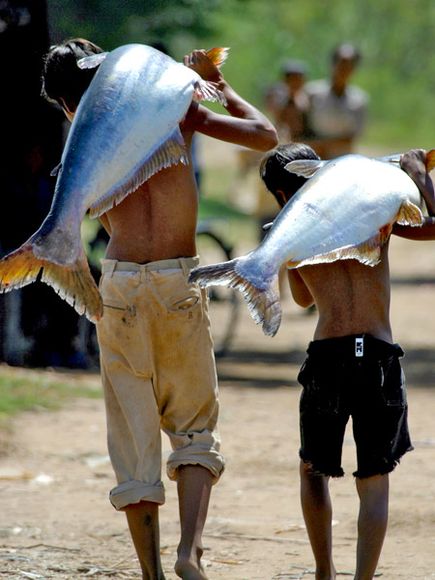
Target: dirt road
<point>56,521</point>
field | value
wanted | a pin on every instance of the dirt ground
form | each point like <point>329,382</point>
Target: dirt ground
<point>56,520</point>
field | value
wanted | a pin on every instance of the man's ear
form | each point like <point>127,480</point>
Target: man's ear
<point>282,197</point>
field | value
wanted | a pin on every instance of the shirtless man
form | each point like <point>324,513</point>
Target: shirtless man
<point>352,369</point>
<point>156,351</point>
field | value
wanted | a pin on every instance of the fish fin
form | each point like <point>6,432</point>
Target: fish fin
<point>92,61</point>
<point>430,160</point>
<point>409,215</point>
<point>55,170</point>
<point>394,158</point>
<point>171,152</point>
<point>263,303</point>
<point>267,227</point>
<point>218,55</point>
<point>367,253</point>
<point>74,283</point>
<point>208,91</point>
<point>305,168</point>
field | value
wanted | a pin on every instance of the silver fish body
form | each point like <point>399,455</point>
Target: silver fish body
<point>133,105</point>
<point>125,129</point>
<point>345,211</point>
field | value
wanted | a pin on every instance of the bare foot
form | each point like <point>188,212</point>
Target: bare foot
<point>189,569</point>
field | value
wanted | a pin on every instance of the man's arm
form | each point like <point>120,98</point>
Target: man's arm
<point>426,232</point>
<point>245,126</point>
<point>300,292</point>
<point>417,165</point>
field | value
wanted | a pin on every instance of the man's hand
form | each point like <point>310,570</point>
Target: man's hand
<point>414,162</point>
<point>200,63</point>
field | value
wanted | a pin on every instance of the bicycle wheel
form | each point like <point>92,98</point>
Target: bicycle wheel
<point>223,302</point>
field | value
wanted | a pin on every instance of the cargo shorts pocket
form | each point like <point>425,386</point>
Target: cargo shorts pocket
<point>393,386</point>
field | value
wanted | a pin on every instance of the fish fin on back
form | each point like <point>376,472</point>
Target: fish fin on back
<point>218,55</point>
<point>305,168</point>
<point>409,215</point>
<point>263,303</point>
<point>171,152</point>
<point>208,91</point>
<point>367,253</point>
<point>92,61</point>
<point>74,283</point>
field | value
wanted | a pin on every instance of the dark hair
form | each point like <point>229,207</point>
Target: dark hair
<point>346,51</point>
<point>61,77</point>
<point>293,67</point>
<point>274,174</point>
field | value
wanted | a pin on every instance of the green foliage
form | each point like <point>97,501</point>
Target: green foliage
<point>397,70</point>
<point>27,390</point>
<point>108,23</point>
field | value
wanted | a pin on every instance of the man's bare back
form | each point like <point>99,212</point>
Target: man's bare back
<point>156,222</point>
<point>351,298</point>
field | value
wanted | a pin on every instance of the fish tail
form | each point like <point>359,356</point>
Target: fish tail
<point>208,91</point>
<point>263,303</point>
<point>73,282</point>
<point>218,55</point>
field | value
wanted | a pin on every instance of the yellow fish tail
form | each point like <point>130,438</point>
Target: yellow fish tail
<point>218,55</point>
<point>74,283</point>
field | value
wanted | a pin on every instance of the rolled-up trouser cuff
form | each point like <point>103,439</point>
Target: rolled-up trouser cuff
<point>208,458</point>
<point>135,491</point>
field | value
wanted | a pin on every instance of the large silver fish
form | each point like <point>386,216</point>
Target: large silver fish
<point>126,128</point>
<point>346,211</point>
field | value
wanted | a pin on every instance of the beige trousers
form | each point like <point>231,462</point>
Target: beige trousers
<point>158,374</point>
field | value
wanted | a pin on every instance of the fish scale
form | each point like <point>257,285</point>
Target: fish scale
<point>125,129</point>
<point>345,210</point>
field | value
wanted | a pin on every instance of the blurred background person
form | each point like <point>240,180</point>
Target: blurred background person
<point>337,110</point>
<point>288,102</point>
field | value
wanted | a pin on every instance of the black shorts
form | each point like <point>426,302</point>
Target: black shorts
<point>358,376</point>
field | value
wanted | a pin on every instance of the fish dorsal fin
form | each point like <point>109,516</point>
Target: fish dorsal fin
<point>305,167</point>
<point>92,61</point>
<point>409,215</point>
<point>218,55</point>
<point>55,170</point>
<point>171,152</point>
<point>208,91</point>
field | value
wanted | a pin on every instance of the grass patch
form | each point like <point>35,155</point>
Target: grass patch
<point>26,390</point>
